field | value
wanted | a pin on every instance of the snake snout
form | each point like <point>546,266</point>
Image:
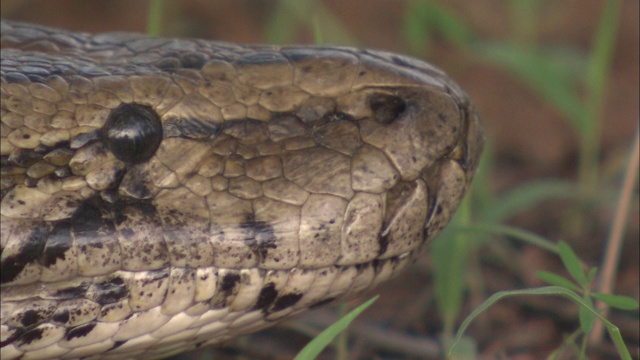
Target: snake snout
<point>413,126</point>
<point>433,141</point>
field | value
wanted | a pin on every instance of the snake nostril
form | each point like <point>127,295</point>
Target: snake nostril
<point>386,107</point>
<point>133,132</point>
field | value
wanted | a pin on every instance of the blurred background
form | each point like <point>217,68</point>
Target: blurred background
<point>556,86</point>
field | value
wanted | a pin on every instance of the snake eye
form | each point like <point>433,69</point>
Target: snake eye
<point>386,107</point>
<point>133,132</point>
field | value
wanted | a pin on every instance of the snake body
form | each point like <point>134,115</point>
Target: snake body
<point>164,194</point>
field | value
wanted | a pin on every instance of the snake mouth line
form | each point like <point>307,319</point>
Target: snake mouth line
<point>231,296</point>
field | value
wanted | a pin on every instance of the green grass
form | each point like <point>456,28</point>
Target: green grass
<point>154,19</point>
<point>292,16</point>
<point>324,339</point>
<point>578,289</point>
<point>556,75</point>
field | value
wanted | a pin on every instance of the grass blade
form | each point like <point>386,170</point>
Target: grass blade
<point>557,280</point>
<point>599,63</point>
<point>511,231</point>
<point>541,74</point>
<point>586,317</point>
<point>320,342</point>
<point>617,301</point>
<point>154,19</point>
<point>450,258</point>
<point>614,332</point>
<point>572,263</point>
<point>423,18</point>
<point>528,195</point>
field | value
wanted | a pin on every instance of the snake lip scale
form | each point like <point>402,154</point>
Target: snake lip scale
<point>160,194</point>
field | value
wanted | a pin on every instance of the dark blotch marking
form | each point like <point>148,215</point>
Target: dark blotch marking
<point>190,128</point>
<point>41,149</point>
<point>286,301</point>
<point>30,252</point>
<point>127,233</point>
<point>383,241</point>
<point>83,139</point>
<point>110,291</point>
<point>89,218</point>
<point>267,296</point>
<point>23,157</point>
<point>386,107</point>
<point>72,292</point>
<point>30,336</point>
<point>228,287</point>
<point>30,317</point>
<point>59,150</point>
<point>61,316</point>
<point>145,208</point>
<point>260,236</point>
<point>229,281</point>
<point>79,331</point>
<point>58,244</point>
<point>132,132</point>
<point>12,338</point>
<point>111,195</point>
<point>155,276</point>
<point>117,344</point>
<point>92,226</point>
<point>377,266</point>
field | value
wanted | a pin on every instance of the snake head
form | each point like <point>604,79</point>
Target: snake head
<point>154,182</point>
<point>254,157</point>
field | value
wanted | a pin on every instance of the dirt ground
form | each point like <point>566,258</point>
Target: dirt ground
<point>530,138</point>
